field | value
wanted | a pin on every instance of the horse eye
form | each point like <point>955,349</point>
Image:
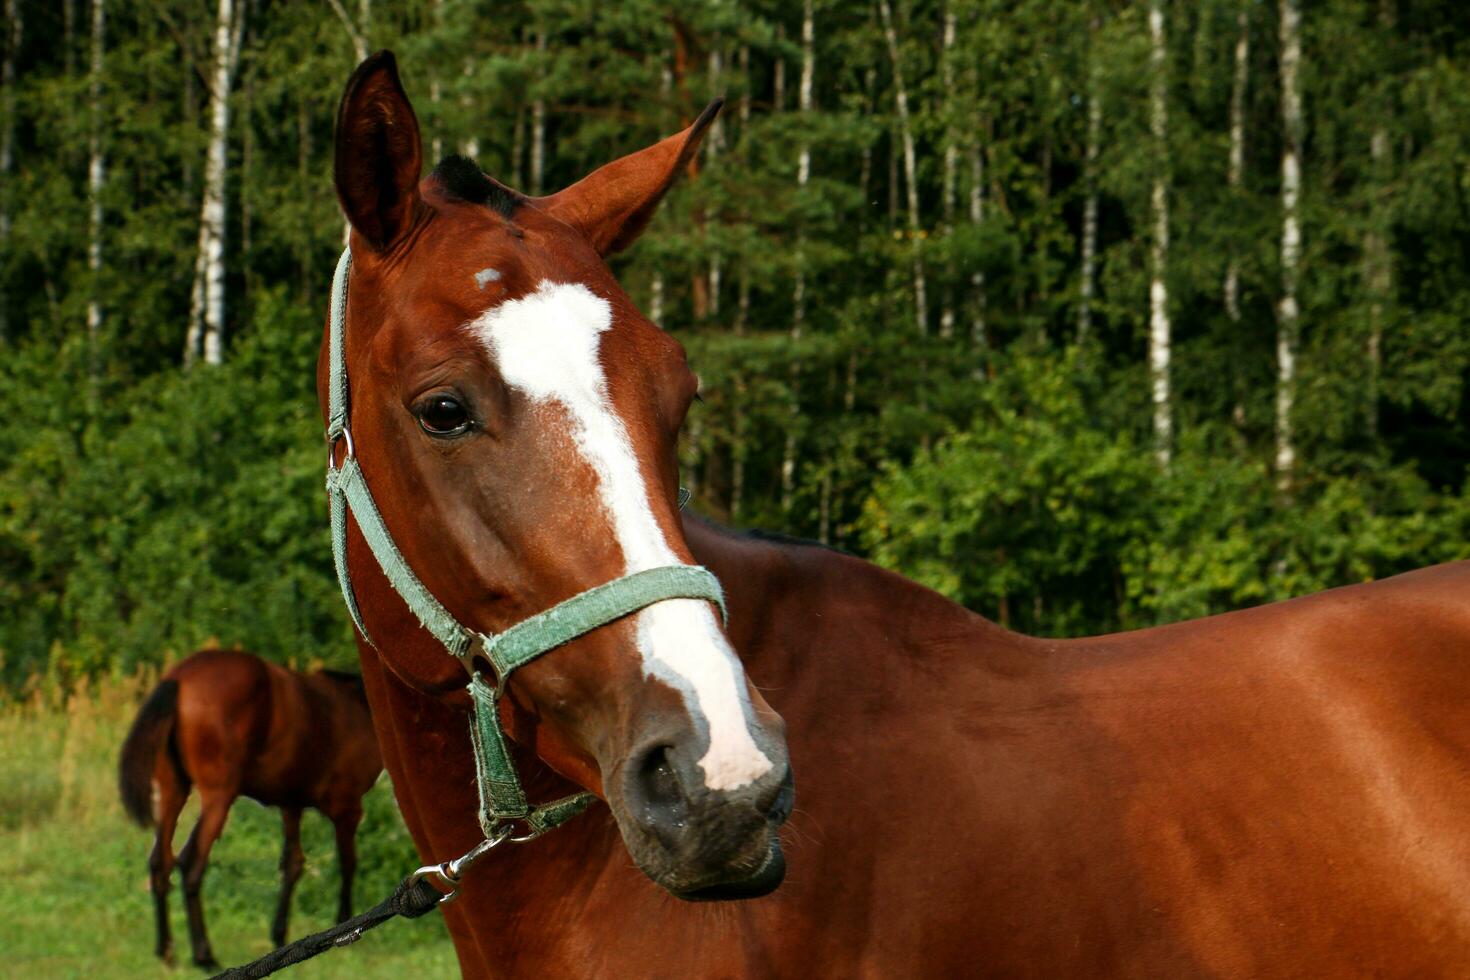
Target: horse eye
<point>443,415</point>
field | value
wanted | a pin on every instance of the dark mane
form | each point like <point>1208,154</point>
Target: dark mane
<point>776,537</point>
<point>463,178</point>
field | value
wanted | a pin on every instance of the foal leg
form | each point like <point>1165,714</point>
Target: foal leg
<point>161,861</point>
<point>292,861</point>
<point>345,824</point>
<point>193,860</point>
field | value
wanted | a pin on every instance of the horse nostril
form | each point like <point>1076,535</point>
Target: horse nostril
<point>660,784</point>
<point>656,795</point>
<point>784,799</point>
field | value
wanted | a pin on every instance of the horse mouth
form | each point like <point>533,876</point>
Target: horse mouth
<point>764,880</point>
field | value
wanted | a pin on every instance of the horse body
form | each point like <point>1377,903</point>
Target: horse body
<point>234,725</point>
<point>1278,791</point>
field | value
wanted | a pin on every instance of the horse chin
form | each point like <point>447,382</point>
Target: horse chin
<point>765,880</point>
<point>757,871</point>
<point>715,871</point>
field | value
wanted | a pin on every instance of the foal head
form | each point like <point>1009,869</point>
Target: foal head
<point>516,417</point>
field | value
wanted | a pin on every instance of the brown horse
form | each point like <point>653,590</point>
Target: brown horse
<point>234,725</point>
<point>1278,792</point>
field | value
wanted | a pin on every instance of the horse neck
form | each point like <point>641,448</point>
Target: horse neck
<point>803,614</point>
<point>835,639</point>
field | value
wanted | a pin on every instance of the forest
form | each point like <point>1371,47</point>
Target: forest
<point>1091,315</point>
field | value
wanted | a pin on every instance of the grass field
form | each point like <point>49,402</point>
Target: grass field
<point>73,875</point>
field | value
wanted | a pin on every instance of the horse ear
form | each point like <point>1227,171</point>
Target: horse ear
<point>612,205</point>
<point>378,152</point>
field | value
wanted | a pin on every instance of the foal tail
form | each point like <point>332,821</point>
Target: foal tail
<point>148,737</point>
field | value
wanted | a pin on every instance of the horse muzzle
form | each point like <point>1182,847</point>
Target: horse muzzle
<point>701,844</point>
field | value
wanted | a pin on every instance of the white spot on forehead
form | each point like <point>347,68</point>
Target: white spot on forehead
<point>486,276</point>
<point>546,345</point>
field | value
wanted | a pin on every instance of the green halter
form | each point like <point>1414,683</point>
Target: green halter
<point>502,800</point>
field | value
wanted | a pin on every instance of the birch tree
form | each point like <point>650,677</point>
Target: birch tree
<point>1160,331</point>
<point>1236,169</point>
<point>910,167</point>
<point>357,30</point>
<point>96,176</point>
<point>207,320</point>
<point>538,125</point>
<point>1377,259</point>
<point>798,292</point>
<point>979,340</point>
<point>1089,175</point>
<point>951,162</point>
<point>1288,326</point>
<point>714,145</point>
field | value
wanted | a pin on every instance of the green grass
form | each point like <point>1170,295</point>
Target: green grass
<point>74,898</point>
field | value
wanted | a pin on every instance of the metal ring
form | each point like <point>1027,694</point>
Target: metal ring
<point>332,441</point>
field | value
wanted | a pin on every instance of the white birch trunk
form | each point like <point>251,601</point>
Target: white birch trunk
<point>538,126</point>
<point>910,167</point>
<point>210,268</point>
<point>1160,331</point>
<point>357,32</point>
<point>1089,206</point>
<point>1288,325</point>
<point>1236,169</point>
<point>96,177</point>
<point>715,145</point>
<point>7,144</point>
<point>951,168</point>
<point>436,92</point>
<point>798,298</point>
<point>470,146</point>
<point>979,338</point>
<point>364,26</point>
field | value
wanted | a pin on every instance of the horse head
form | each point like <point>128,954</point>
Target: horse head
<point>517,419</point>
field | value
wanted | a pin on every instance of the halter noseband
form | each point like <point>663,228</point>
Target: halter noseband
<point>502,800</point>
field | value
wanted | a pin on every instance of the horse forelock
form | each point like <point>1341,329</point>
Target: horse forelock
<point>462,178</point>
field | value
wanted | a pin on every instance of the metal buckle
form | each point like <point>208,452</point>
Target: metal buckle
<point>345,434</point>
<point>476,661</point>
<point>448,875</point>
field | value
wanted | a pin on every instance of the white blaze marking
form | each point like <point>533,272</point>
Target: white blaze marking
<point>486,276</point>
<point>546,345</point>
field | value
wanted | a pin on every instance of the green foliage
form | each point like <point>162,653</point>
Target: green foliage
<point>192,510</point>
<point>1039,517</point>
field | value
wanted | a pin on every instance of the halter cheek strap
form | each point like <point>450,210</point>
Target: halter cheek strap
<point>502,799</point>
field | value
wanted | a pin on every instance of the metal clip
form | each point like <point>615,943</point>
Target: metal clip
<point>446,877</point>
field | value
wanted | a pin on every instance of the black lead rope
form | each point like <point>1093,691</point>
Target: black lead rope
<point>413,897</point>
